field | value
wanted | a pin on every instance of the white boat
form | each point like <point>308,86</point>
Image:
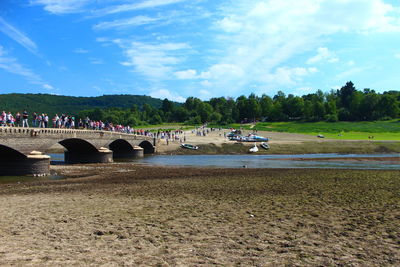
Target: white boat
<point>254,149</point>
<point>265,145</point>
<point>188,146</point>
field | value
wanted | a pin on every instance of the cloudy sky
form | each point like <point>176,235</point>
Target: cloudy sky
<point>203,48</point>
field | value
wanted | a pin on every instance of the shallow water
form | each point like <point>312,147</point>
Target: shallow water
<point>23,179</point>
<point>272,161</point>
<point>264,161</point>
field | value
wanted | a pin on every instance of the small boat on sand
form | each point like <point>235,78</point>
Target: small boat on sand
<point>265,145</point>
<point>188,146</point>
<point>254,149</point>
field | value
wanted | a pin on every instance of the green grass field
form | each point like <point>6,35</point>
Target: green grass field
<point>379,130</point>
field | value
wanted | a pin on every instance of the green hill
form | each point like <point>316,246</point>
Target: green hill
<point>52,104</point>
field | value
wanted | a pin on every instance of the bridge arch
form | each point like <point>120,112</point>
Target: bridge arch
<point>147,147</point>
<point>120,146</point>
<point>81,151</point>
<point>13,162</point>
<point>76,145</point>
<point>7,152</point>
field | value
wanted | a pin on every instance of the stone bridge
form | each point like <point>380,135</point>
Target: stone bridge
<point>22,149</point>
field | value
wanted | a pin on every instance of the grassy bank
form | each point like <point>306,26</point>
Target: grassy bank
<point>345,147</point>
<point>379,130</point>
<point>191,217</point>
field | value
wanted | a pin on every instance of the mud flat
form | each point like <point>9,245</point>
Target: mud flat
<point>122,214</point>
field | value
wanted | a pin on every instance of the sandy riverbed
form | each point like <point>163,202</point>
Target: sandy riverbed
<point>126,215</point>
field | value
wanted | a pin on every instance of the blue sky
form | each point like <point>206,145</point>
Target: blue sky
<point>204,48</point>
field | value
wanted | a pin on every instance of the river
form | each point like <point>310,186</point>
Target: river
<point>338,161</point>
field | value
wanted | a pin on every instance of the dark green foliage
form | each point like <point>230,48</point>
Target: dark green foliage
<point>346,104</point>
<point>52,104</point>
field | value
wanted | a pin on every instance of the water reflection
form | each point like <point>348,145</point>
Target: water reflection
<point>24,179</point>
<point>273,161</point>
<point>342,161</point>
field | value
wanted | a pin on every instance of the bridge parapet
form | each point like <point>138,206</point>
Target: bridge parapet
<point>77,132</point>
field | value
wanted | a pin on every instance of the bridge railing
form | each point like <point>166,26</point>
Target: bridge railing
<point>50,131</point>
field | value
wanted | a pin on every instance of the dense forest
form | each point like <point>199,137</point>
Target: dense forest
<point>52,104</point>
<point>345,104</point>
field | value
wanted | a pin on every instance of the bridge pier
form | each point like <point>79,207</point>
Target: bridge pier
<point>33,164</point>
<point>136,152</point>
<point>103,155</point>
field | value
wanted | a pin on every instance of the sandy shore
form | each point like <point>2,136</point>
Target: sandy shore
<point>126,215</point>
<point>281,143</point>
<point>217,137</point>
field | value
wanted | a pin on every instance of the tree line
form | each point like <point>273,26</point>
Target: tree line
<point>345,104</point>
<point>71,105</point>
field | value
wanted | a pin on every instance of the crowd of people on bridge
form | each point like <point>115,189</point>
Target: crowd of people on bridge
<point>63,121</point>
<point>42,120</point>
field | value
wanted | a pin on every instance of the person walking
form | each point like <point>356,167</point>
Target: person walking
<point>18,119</point>
<point>9,119</point>
<point>25,119</point>
<point>45,120</point>
<point>55,121</point>
<point>34,119</point>
<point>40,120</point>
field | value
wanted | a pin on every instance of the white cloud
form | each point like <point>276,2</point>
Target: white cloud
<point>324,55</point>
<point>11,65</point>
<point>47,86</point>
<point>351,63</point>
<point>223,70</point>
<point>135,21</point>
<point>229,25</point>
<point>350,73</point>
<point>17,36</point>
<point>204,94</point>
<point>303,91</point>
<point>289,76</point>
<point>206,83</point>
<point>96,61</point>
<point>154,61</point>
<point>186,74</point>
<point>81,51</point>
<point>164,93</point>
<point>397,55</point>
<point>136,6</point>
<point>260,37</point>
<point>62,6</point>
